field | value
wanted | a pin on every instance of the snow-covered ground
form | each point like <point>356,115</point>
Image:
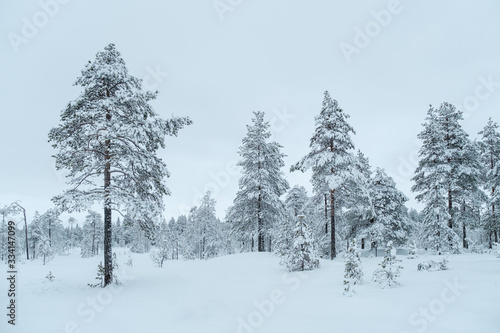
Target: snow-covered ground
<point>251,293</point>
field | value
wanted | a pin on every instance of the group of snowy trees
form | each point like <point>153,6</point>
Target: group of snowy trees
<point>108,138</point>
<point>456,179</point>
<point>349,199</point>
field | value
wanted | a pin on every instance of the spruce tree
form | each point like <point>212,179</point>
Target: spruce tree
<point>490,158</point>
<point>331,157</point>
<point>353,274</point>
<point>257,204</point>
<point>93,235</point>
<point>432,182</point>
<point>111,133</point>
<point>303,255</point>
<point>296,203</point>
<point>391,220</point>
<point>389,269</point>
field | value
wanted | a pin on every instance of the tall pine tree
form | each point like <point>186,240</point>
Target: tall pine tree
<point>107,139</point>
<point>331,157</point>
<point>490,158</point>
<point>257,204</point>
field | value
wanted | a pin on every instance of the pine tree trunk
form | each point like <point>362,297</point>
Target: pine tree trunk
<point>26,234</point>
<point>464,237</point>
<point>50,234</point>
<point>108,257</point>
<point>93,239</point>
<point>326,215</point>
<point>332,225</point>
<point>464,231</point>
<point>450,212</point>
<point>260,226</point>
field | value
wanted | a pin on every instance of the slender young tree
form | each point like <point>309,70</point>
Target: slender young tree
<point>257,204</point>
<point>110,135</point>
<point>331,157</point>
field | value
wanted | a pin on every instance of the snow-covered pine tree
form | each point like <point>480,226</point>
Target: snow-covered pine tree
<point>359,212</point>
<point>296,203</point>
<point>303,255</point>
<point>139,242</point>
<point>331,157</point>
<point>470,196</point>
<point>490,159</point>
<point>35,233</point>
<point>190,236</point>
<point>391,220</point>
<point>412,251</point>
<point>111,132</point>
<point>257,204</point>
<point>118,233</point>
<point>462,167</point>
<point>93,235</point>
<point>209,228</point>
<point>432,184</point>
<point>44,249</point>
<point>353,274</point>
<point>53,229</point>
<point>162,245</point>
<point>72,224</point>
<point>389,269</point>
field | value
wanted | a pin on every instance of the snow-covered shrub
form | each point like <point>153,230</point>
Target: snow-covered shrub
<point>99,277</point>
<point>431,265</point>
<point>159,254</point>
<point>412,252</point>
<point>50,277</point>
<point>303,254</point>
<point>427,265</point>
<point>353,271</point>
<point>443,264</point>
<point>129,261</point>
<point>389,269</point>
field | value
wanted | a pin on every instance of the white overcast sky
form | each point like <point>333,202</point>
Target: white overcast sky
<point>276,56</point>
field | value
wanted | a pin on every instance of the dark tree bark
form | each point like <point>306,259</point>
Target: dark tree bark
<point>464,231</point>
<point>50,232</point>
<point>332,224</point>
<point>326,215</point>
<point>93,238</point>
<point>260,226</point>
<point>108,252</point>
<point>25,231</point>
<point>108,257</point>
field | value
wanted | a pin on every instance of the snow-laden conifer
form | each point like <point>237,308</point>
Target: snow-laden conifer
<point>353,273</point>
<point>389,269</point>
<point>110,135</point>
<point>303,255</point>
<point>257,205</point>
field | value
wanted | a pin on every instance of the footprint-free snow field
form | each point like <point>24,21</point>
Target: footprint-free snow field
<point>250,292</point>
